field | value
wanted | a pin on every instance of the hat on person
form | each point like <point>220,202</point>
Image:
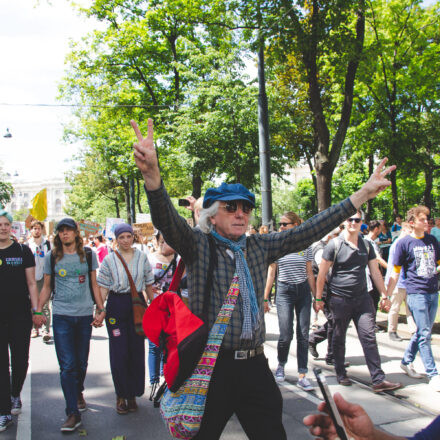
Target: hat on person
<point>122,227</point>
<point>4,213</point>
<point>228,191</point>
<point>364,227</point>
<point>69,222</point>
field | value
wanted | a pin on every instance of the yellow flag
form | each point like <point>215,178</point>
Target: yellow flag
<point>39,205</point>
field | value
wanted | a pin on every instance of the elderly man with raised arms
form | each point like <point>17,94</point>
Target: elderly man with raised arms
<point>242,382</point>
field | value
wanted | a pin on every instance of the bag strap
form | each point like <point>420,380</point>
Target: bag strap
<point>177,277</point>
<point>134,292</point>
<point>171,265</point>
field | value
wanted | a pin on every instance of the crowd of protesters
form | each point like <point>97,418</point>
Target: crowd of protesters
<point>332,262</point>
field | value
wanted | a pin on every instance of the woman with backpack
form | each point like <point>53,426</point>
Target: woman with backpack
<point>127,348</point>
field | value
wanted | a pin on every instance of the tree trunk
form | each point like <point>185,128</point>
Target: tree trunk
<point>125,184</point>
<point>118,214</point>
<point>427,195</point>
<point>197,186</point>
<point>138,197</point>
<point>393,178</point>
<point>370,201</point>
<point>324,182</point>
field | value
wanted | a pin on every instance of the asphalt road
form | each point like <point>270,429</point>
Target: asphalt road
<point>402,413</point>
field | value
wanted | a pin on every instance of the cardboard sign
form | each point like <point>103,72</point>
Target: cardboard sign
<point>88,228</point>
<point>110,225</point>
<point>18,229</point>
<point>28,221</point>
<point>143,218</point>
<point>144,229</point>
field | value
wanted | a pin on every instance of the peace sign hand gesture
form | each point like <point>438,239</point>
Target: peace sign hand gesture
<point>145,156</point>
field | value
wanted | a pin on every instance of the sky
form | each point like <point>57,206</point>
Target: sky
<point>34,40</point>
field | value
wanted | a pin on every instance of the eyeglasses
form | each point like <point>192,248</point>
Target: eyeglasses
<point>232,207</point>
<point>285,224</point>
<point>354,220</point>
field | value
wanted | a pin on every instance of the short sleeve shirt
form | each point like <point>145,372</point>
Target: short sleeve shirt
<point>418,258</point>
<point>348,278</point>
<point>72,295</point>
<point>292,267</point>
<point>14,293</point>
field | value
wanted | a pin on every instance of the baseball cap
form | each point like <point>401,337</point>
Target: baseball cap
<point>228,191</point>
<point>69,222</point>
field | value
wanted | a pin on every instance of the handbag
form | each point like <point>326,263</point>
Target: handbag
<point>183,410</point>
<point>139,305</point>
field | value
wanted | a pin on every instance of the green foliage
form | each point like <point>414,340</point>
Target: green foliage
<point>6,189</point>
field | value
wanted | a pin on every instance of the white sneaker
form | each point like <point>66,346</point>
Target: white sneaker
<point>435,383</point>
<point>410,371</point>
<point>305,384</point>
<point>279,374</point>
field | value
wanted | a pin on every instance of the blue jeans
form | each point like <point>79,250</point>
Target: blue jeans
<point>72,342</point>
<point>155,363</point>
<point>423,307</point>
<point>290,298</point>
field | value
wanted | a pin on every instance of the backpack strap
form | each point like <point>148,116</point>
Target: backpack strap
<point>52,273</point>
<point>47,243</point>
<point>88,252</point>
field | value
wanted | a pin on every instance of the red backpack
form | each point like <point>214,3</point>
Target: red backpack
<point>170,324</point>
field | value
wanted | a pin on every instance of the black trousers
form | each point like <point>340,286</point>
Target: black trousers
<point>360,310</point>
<point>248,389</point>
<point>324,331</point>
<point>15,336</point>
<point>127,349</point>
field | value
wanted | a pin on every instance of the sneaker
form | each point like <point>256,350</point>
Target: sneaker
<point>410,371</point>
<point>313,351</point>
<point>345,381</point>
<point>46,337</point>
<point>15,405</point>
<point>34,333</point>
<point>72,422</point>
<point>435,383</point>
<point>305,384</point>
<point>331,361</point>
<point>394,337</point>
<point>81,403</point>
<point>386,386</point>
<point>5,421</point>
<point>279,374</point>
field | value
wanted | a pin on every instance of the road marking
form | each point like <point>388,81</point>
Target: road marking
<point>304,394</point>
<point>24,418</point>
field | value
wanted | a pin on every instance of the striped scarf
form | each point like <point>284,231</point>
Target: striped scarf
<point>251,317</point>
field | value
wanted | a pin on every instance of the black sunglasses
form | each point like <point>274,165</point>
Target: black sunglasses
<point>285,224</point>
<point>232,207</point>
<point>354,220</point>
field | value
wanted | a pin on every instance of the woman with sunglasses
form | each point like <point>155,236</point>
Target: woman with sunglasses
<point>295,280</point>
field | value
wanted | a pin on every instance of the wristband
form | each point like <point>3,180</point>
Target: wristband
<point>266,300</point>
<point>100,310</point>
<point>37,313</point>
<point>318,299</point>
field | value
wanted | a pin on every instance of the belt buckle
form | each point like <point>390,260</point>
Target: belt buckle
<point>240,354</point>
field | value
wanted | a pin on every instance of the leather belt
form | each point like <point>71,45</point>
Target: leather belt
<point>241,355</point>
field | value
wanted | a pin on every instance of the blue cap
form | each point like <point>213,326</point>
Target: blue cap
<point>228,191</point>
<point>122,227</point>
<point>69,222</point>
<point>364,227</point>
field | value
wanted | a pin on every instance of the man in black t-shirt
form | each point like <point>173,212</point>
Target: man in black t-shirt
<point>349,299</point>
<point>17,281</point>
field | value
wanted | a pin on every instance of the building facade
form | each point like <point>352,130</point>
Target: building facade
<point>25,191</point>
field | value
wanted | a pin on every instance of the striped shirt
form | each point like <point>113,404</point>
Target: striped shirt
<point>292,267</point>
<point>261,251</point>
<point>113,276</point>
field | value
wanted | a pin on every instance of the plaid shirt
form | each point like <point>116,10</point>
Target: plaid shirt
<point>261,250</point>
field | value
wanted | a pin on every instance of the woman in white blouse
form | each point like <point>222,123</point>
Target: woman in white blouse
<point>127,349</point>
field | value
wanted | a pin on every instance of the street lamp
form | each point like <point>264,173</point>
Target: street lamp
<point>7,134</point>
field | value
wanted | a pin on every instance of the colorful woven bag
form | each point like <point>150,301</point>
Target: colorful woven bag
<point>183,410</point>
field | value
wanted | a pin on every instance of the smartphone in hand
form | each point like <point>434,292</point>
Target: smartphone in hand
<point>183,202</point>
<point>331,405</point>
